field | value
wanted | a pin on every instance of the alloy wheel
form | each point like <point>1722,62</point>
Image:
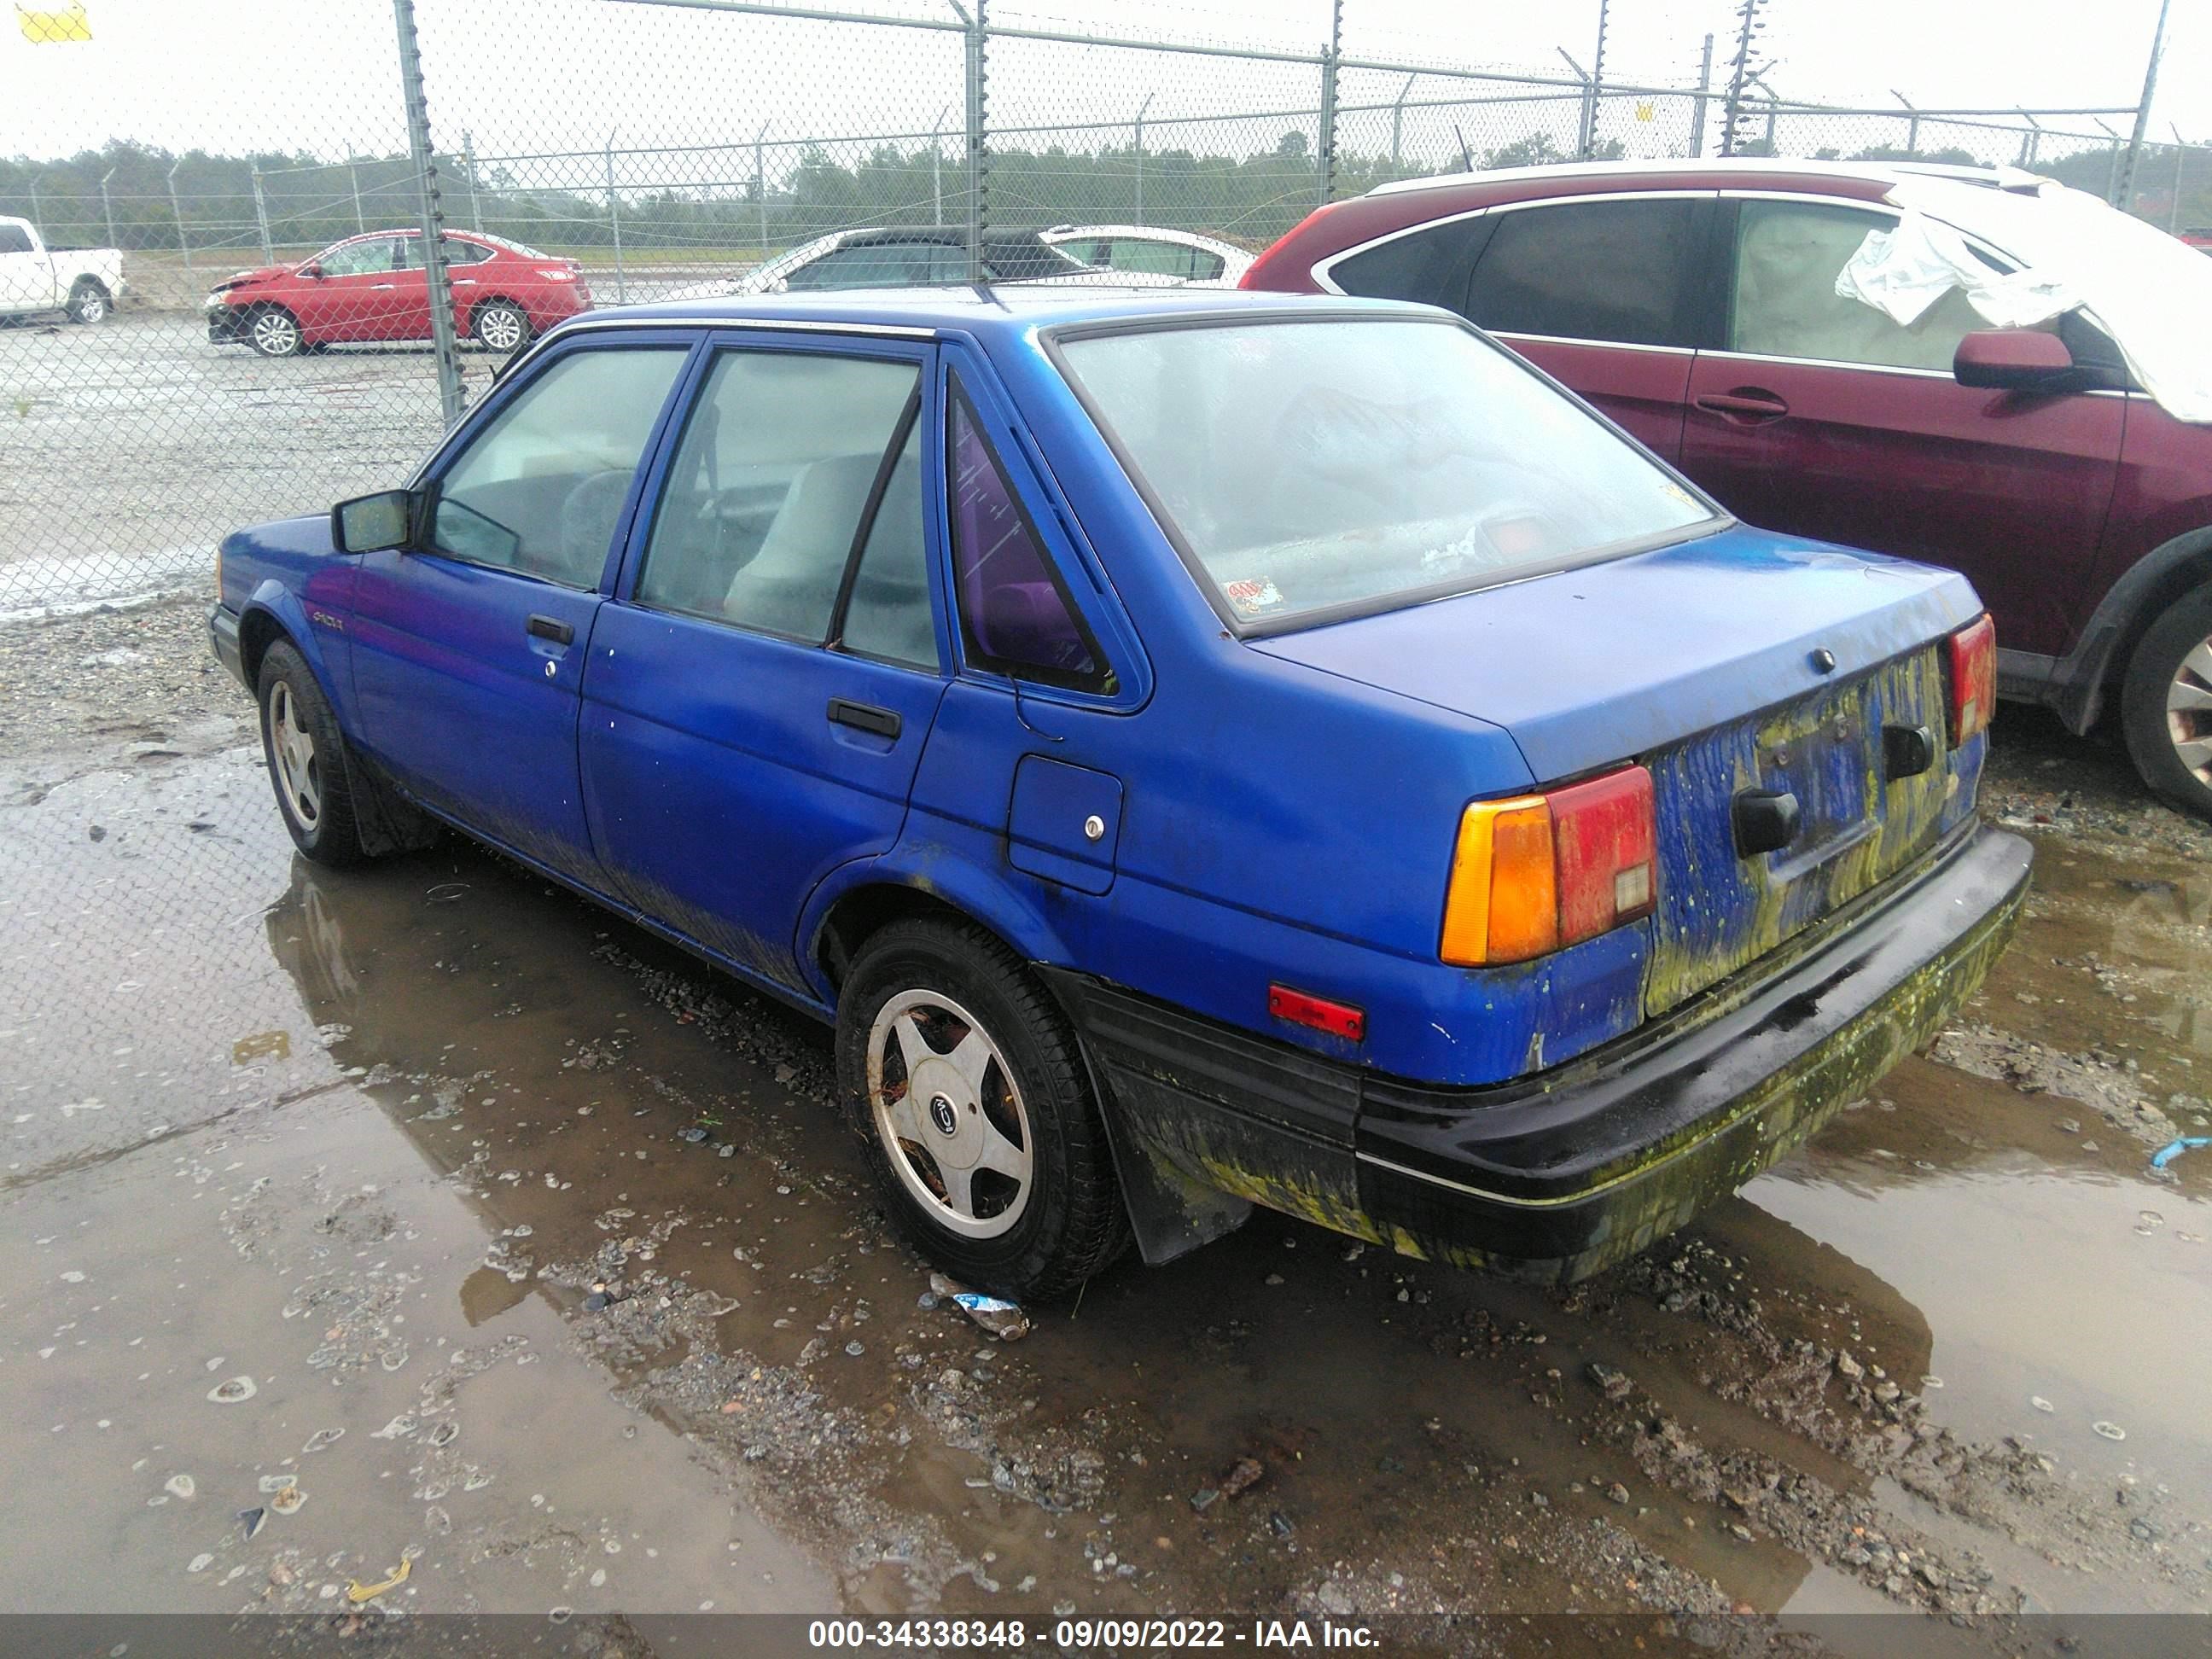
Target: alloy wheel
<point>2188,711</point>
<point>299,774</point>
<point>950,1115</point>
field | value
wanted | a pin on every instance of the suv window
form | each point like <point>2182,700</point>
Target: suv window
<point>778,466</point>
<point>1429,265</point>
<point>1617,271</point>
<point>359,258</point>
<point>1785,305</point>
<point>14,239</point>
<point>1015,615</point>
<point>540,489</point>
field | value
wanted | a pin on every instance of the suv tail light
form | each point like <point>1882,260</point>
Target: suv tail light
<point>1538,872</point>
<point>1969,669</point>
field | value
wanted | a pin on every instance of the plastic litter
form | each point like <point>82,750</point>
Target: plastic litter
<point>2165,1154</point>
<point>182,1485</point>
<point>2110,1430</point>
<point>253,1520</point>
<point>1002,1319</point>
<point>356,1592</point>
<point>233,1391</point>
<point>288,1501</point>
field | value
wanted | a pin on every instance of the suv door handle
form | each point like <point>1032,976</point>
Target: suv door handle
<point>553,628</point>
<point>1750,404</point>
<point>865,717</point>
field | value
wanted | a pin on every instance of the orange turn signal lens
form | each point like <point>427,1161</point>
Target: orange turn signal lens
<point>1503,904</point>
<point>1971,671</point>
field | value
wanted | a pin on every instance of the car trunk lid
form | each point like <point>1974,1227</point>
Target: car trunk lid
<point>1736,665</point>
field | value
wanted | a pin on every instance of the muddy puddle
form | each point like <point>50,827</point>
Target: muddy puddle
<point>556,1278</point>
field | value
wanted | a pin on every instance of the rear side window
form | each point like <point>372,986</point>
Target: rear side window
<point>779,463</point>
<point>1429,265</point>
<point>1015,616</point>
<point>1616,271</point>
<point>14,239</point>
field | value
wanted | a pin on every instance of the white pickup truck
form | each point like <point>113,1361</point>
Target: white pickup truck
<point>86,282</point>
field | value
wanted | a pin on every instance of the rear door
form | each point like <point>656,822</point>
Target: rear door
<point>468,648</point>
<point>1823,418</point>
<point>758,695</point>
<point>1604,293</point>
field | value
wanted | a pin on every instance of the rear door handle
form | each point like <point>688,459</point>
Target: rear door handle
<point>1747,404</point>
<point>551,628</point>
<point>865,717</point>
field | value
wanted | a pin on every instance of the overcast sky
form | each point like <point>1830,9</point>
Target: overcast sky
<point>539,74</point>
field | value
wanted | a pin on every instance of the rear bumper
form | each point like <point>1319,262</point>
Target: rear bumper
<point>1557,1175</point>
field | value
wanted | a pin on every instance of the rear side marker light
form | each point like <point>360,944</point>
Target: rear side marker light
<point>1970,668</point>
<point>1538,872</point>
<point>1337,1018</point>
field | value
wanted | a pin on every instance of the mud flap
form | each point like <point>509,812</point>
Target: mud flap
<point>1170,1212</point>
<point>385,820</point>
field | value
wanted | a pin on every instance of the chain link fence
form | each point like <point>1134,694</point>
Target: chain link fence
<point>603,152</point>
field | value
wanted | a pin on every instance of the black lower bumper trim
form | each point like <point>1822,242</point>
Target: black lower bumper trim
<point>1557,1176</point>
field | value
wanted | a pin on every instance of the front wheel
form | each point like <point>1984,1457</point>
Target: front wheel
<point>307,757</point>
<point>500,324</point>
<point>2166,707</point>
<point>88,303</point>
<point>275,332</point>
<point>965,1084</point>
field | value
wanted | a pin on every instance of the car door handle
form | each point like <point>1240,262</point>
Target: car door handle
<point>553,628</point>
<point>1745,403</point>
<point>376,285</point>
<point>865,717</point>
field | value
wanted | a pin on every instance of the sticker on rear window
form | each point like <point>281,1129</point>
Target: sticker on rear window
<point>1252,596</point>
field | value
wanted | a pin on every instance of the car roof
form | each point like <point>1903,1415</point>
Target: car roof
<point>983,311</point>
<point>1717,173</point>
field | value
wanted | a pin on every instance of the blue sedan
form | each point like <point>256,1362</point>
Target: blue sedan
<point>1198,751</point>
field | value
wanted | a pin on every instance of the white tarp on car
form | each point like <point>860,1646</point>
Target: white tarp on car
<point>2151,293</point>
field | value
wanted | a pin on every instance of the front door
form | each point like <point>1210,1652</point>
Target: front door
<point>357,293</point>
<point>469,648</point>
<point>1825,418</point>
<point>758,696</point>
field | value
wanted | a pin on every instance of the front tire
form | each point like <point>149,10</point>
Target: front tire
<point>501,326</point>
<point>2166,707</point>
<point>306,756</point>
<point>88,303</point>
<point>274,332</point>
<point>966,1085</point>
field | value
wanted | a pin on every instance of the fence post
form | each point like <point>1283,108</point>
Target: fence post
<point>468,160</point>
<point>38,217</point>
<point>614,218</point>
<point>1139,124</point>
<point>978,169</point>
<point>2112,162</point>
<point>2030,141</point>
<point>184,242</point>
<point>1596,87</point>
<point>353,180</point>
<point>1912,123</point>
<point>2173,205</point>
<point>936,175</point>
<point>444,347</point>
<point>1705,96</point>
<point>760,185</point>
<point>107,208</point>
<point>2125,200</point>
<point>1325,162</point>
<point>1588,118</point>
<point>1398,118</point>
<point>261,217</point>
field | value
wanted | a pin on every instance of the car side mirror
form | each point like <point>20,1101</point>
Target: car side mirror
<point>373,524</point>
<point>311,269</point>
<point>2013,360</point>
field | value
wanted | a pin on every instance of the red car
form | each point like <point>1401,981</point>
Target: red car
<point>1698,304</point>
<point>375,288</point>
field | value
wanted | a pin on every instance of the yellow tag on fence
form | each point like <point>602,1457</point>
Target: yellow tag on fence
<point>41,27</point>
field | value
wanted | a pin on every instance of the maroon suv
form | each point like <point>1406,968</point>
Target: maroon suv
<point>1697,303</point>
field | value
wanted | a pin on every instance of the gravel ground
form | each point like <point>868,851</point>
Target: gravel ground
<point>559,1231</point>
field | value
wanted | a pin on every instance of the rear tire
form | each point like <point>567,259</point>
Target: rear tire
<point>2166,707</point>
<point>90,302</point>
<point>307,762</point>
<point>274,332</point>
<point>1002,1174</point>
<point>501,326</point>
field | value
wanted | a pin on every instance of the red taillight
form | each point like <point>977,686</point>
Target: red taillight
<point>1971,670</point>
<point>1538,872</point>
<point>1300,1008</point>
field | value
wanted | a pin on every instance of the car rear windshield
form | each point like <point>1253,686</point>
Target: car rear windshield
<point>1321,467</point>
